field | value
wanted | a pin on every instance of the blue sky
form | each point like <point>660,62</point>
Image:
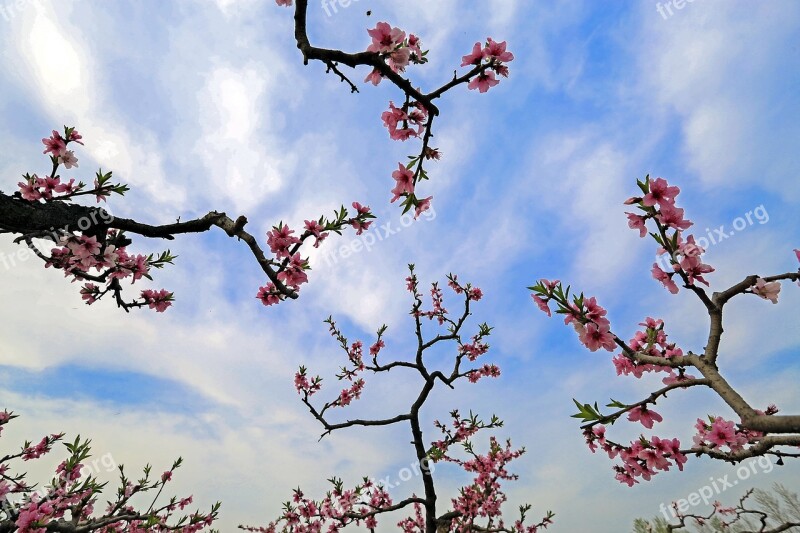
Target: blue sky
<point>204,105</point>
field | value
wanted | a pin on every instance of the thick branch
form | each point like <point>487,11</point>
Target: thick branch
<point>53,219</point>
<point>750,418</point>
<point>199,225</point>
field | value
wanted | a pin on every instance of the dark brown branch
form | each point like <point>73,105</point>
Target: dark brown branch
<point>199,225</point>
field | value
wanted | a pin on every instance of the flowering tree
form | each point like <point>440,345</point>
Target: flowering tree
<point>388,55</point>
<point>478,505</point>
<point>773,512</point>
<point>67,503</point>
<point>759,432</point>
<point>92,245</point>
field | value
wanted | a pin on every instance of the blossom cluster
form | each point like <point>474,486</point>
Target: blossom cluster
<point>719,432</point>
<point>355,356</point>
<point>338,509</point>
<point>78,255</point>
<point>412,118</point>
<point>394,48</point>
<point>95,253</point>
<point>643,458</point>
<point>587,317</point>
<point>470,350</point>
<point>658,204</point>
<point>650,346</point>
<point>480,500</point>
<point>492,54</point>
<point>68,501</point>
<point>88,256</point>
<point>483,498</point>
<point>50,187</point>
<point>284,243</point>
<point>652,340</point>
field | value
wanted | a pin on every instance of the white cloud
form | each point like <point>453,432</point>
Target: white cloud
<point>63,72</point>
<point>242,158</point>
<point>715,68</point>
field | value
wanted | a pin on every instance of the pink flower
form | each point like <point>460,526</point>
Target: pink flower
<point>54,144</point>
<point>413,44</point>
<point>374,77</point>
<point>375,348</point>
<point>385,38</point>
<point>294,275</point>
<point>360,209</point>
<point>29,191</point>
<point>645,416</point>
<point>405,182</point>
<point>89,293</point>
<point>137,265</point>
<point>694,268</point>
<point>661,193</point>
<point>101,194</point>
<point>637,222</point>
<point>422,206</point>
<point>595,336</point>
<point>267,294</point>
<point>280,239</point>
<point>158,300</point>
<point>359,225</point>
<point>768,291</point>
<point>664,278</point>
<point>483,82</point>
<point>623,365</point>
<point>166,476</point>
<point>396,116</point>
<point>495,50</point>
<point>67,188</point>
<point>673,217</point>
<point>475,58</point>
<point>47,186</point>
<point>475,294</point>
<point>398,59</point>
<point>541,304</point>
<point>654,459</point>
<point>286,3</point>
<point>74,136</point>
<point>595,312</point>
<point>68,159</point>
<point>316,229</point>
<point>625,477</point>
<point>676,378</point>
<point>690,247</point>
<point>550,285</point>
<point>722,432</point>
